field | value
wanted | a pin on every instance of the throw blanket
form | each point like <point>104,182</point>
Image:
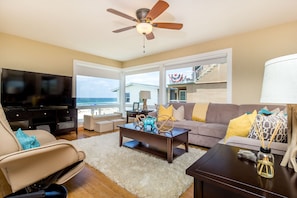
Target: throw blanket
<point>199,112</point>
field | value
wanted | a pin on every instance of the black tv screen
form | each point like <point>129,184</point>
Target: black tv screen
<point>31,89</point>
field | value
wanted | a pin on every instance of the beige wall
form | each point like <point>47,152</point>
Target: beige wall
<point>24,54</point>
<point>250,51</point>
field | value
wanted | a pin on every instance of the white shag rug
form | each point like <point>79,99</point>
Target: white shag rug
<point>141,174</point>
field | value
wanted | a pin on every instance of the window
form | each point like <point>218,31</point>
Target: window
<point>127,97</point>
<point>148,81</point>
<point>182,95</point>
<point>198,83</point>
<point>96,89</point>
<point>199,78</point>
<point>97,93</point>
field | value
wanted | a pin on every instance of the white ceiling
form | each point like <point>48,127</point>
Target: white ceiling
<point>86,26</point>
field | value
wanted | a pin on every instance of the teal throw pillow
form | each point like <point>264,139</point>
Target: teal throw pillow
<point>26,141</point>
<point>265,112</point>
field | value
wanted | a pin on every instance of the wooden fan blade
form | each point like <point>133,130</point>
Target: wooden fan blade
<point>150,36</point>
<point>113,11</point>
<point>158,9</point>
<point>173,26</point>
<point>124,29</point>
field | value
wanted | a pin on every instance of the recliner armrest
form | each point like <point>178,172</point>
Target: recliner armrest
<point>25,167</point>
<point>42,136</point>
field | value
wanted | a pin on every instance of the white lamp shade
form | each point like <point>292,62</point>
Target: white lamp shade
<point>144,95</point>
<point>280,80</point>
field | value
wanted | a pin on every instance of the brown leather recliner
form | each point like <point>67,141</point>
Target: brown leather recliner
<point>35,169</point>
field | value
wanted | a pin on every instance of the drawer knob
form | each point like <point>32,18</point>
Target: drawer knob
<point>44,113</point>
<point>17,115</point>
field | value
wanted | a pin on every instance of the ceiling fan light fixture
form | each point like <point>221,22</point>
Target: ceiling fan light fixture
<point>144,28</point>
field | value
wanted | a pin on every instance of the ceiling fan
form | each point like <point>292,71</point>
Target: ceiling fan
<point>145,19</point>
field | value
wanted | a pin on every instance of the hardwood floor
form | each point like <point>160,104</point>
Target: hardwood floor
<point>89,182</point>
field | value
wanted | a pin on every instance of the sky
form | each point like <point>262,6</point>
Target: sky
<point>93,87</point>
<point>151,78</point>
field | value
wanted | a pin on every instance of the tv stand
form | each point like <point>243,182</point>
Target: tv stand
<point>58,119</point>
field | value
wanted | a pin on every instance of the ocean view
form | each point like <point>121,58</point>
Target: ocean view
<point>94,101</point>
<point>91,106</point>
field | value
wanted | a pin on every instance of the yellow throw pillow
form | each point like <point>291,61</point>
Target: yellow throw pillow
<point>199,112</point>
<point>241,125</point>
<point>252,117</point>
<point>165,113</point>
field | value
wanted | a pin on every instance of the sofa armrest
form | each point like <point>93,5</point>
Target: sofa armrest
<point>38,163</point>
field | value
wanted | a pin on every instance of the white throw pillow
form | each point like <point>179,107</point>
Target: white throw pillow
<point>179,114</point>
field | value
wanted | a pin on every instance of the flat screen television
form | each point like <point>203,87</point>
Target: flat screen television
<point>34,90</point>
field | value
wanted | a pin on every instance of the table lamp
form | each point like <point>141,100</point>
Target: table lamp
<point>280,86</point>
<point>144,95</point>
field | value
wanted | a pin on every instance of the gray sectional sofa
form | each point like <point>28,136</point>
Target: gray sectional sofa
<point>213,130</point>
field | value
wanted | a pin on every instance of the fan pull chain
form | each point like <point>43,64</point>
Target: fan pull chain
<point>143,44</point>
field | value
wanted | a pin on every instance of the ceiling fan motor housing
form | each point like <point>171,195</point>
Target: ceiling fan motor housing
<point>141,14</point>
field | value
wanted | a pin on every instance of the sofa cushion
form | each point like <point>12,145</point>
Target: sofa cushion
<point>187,124</point>
<point>216,130</point>
<point>201,128</point>
<point>221,113</point>
<point>204,141</point>
<point>241,125</point>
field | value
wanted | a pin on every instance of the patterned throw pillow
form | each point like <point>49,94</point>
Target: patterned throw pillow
<point>267,124</point>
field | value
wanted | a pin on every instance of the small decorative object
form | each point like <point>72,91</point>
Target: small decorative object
<point>166,125</point>
<point>138,121</point>
<point>265,159</point>
<point>149,121</point>
<point>248,155</point>
<point>144,95</point>
<point>135,106</point>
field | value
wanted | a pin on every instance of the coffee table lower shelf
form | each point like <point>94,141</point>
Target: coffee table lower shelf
<point>134,144</point>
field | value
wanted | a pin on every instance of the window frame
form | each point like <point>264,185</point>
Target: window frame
<point>162,66</point>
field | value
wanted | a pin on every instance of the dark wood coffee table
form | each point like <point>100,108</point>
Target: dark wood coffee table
<point>219,173</point>
<point>161,144</point>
